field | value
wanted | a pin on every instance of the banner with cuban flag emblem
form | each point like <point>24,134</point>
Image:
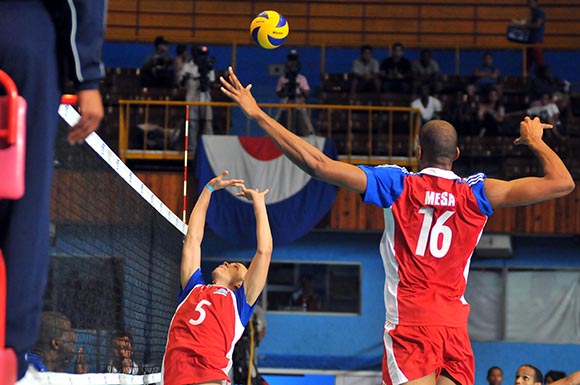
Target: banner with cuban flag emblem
<point>296,201</point>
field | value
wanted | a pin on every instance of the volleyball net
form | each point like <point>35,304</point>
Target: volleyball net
<point>115,255</point>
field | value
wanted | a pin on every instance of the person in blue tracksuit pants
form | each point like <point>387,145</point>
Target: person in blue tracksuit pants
<point>42,44</point>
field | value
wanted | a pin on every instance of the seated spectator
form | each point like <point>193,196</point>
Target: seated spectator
<point>487,75</point>
<point>365,70</point>
<point>545,83</point>
<point>429,105</point>
<point>305,297</point>
<point>462,110</point>
<point>491,115</point>
<point>494,375</point>
<point>425,71</point>
<point>157,70</point>
<point>548,112</point>
<point>553,375</point>
<point>55,348</point>
<point>121,350</point>
<point>395,71</point>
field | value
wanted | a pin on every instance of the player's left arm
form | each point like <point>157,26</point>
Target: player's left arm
<point>191,252</point>
<point>255,279</point>
<point>572,379</point>
<point>556,181</point>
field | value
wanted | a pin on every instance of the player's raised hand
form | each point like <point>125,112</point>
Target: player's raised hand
<point>240,94</point>
<point>531,130</point>
<point>253,195</point>
<point>219,182</point>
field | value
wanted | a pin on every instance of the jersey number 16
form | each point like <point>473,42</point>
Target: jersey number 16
<point>431,234</point>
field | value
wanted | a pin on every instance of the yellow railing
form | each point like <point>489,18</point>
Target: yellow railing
<point>381,129</point>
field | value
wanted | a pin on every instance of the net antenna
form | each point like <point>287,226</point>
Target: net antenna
<point>185,159</point>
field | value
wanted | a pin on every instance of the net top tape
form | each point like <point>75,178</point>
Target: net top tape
<point>71,116</point>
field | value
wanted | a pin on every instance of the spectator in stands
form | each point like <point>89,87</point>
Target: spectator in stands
<point>198,79</point>
<point>429,105</point>
<point>546,83</point>
<point>542,83</point>
<point>553,375</point>
<point>55,348</point>
<point>425,70</point>
<point>157,70</point>
<point>487,75</point>
<point>179,63</point>
<point>395,71</point>
<point>530,375</point>
<point>462,110</point>
<point>494,375</point>
<point>293,88</point>
<point>245,355</point>
<point>491,114</point>
<point>537,24</point>
<point>121,350</point>
<point>548,112</point>
<point>365,71</point>
<point>305,296</point>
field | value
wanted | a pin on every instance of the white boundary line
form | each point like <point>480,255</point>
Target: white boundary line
<point>50,378</point>
<point>71,116</point>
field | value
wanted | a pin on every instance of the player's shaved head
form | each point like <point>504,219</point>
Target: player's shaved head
<point>438,140</point>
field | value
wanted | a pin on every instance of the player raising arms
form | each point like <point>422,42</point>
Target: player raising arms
<point>210,318</point>
<point>433,221</point>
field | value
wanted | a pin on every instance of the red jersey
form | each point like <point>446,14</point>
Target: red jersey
<point>208,322</point>
<point>433,221</point>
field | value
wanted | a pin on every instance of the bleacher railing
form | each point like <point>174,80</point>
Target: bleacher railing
<point>153,129</point>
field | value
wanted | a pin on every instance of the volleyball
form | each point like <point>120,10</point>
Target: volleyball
<point>269,29</point>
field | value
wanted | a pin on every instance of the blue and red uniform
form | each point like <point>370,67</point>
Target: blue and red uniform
<point>208,322</point>
<point>433,221</point>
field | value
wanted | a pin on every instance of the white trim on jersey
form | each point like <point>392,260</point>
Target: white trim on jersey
<point>239,330</point>
<point>474,179</point>
<point>438,172</point>
<point>466,271</point>
<point>396,375</point>
<point>403,169</point>
<point>391,267</point>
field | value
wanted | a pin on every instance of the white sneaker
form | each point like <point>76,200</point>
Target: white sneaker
<point>32,377</point>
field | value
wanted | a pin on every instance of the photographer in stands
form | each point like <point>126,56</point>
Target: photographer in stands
<point>293,88</point>
<point>157,70</point>
<point>198,79</point>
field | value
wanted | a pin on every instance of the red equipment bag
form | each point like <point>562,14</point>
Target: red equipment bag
<point>12,140</point>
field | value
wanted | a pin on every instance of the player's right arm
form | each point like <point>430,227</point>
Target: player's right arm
<point>555,183</point>
<point>191,252</point>
<point>310,159</point>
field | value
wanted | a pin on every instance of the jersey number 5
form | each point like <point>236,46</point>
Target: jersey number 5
<point>432,234</point>
<point>201,311</point>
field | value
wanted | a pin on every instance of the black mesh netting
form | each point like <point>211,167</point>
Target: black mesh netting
<point>115,260</point>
